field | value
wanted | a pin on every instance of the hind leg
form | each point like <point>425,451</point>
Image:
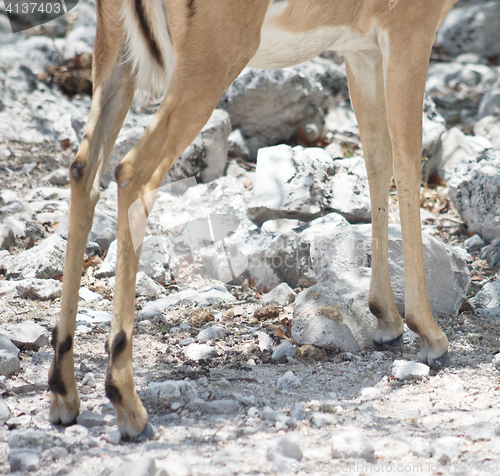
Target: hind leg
<point>366,85</point>
<point>405,84</point>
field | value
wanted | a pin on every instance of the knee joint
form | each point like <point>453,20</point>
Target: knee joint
<point>77,170</point>
<point>122,177</point>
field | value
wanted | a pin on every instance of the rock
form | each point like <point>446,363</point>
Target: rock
<point>43,289</point>
<point>335,314</point>
<point>113,437</point>
<point>433,126</point>
<point>444,79</point>
<point>33,439</point>
<point>89,296</point>
<point>488,296</point>
<point>4,409</point>
<point>474,194</point>
<point>284,446</point>
<point>330,75</point>
<point>265,342</point>
<point>474,243</point>
<point>453,149</point>
<point>157,257</point>
<point>274,258</point>
<point>281,295</point>
<point>214,294</point>
<point>271,311</point>
<point>9,356</point>
<point>491,254</point>
<point>310,353</point>
<point>481,431</point>
<point>349,248</point>
<point>199,351</point>
<point>26,334</point>
<point>24,460</point>
<point>92,318</point>
<point>45,260</point>
<point>226,406</point>
<point>404,370</point>
<point>90,419</point>
<point>145,286</point>
<point>214,332</point>
<point>270,105</point>
<point>285,349</point>
<point>297,411</point>
<point>289,381</point>
<point>142,467</point>
<point>58,177</point>
<point>187,341</point>
<point>493,313</point>
<point>420,447</point>
<point>496,364</point>
<point>176,393</point>
<point>490,103</point>
<point>471,29</point>
<point>237,145</point>
<point>6,237</point>
<point>205,158</point>
<point>352,444</point>
<point>307,183</point>
<point>200,317</point>
<point>445,449</point>
<point>489,128</point>
<point>174,468</point>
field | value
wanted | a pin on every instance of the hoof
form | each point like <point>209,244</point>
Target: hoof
<point>441,362</point>
<point>64,411</point>
<point>147,434</point>
<point>389,345</point>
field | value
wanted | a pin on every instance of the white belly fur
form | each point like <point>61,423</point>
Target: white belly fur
<point>279,48</point>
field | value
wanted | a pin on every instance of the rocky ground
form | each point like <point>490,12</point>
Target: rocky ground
<point>230,369</point>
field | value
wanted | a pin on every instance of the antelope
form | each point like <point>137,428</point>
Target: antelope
<point>190,51</point>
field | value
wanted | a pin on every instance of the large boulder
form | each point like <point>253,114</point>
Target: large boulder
<point>490,103</point>
<point>454,149</point>
<point>271,258</point>
<point>45,260</point>
<point>472,29</point>
<point>270,105</point>
<point>475,194</point>
<point>349,248</point>
<point>335,313</point>
<point>205,158</point>
<point>489,127</point>
<point>307,183</point>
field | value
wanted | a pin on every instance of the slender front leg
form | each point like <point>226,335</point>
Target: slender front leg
<point>113,93</point>
<point>407,60</point>
<point>365,73</point>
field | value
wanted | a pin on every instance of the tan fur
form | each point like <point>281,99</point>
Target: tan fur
<point>386,44</point>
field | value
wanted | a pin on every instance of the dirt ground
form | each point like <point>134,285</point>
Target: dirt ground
<point>338,391</point>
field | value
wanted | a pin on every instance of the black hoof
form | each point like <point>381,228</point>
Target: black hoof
<point>389,345</point>
<point>441,362</point>
<point>147,434</point>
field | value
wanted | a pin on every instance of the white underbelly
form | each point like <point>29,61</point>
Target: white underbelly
<point>280,48</point>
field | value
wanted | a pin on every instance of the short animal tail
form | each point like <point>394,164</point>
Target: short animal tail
<point>149,46</point>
